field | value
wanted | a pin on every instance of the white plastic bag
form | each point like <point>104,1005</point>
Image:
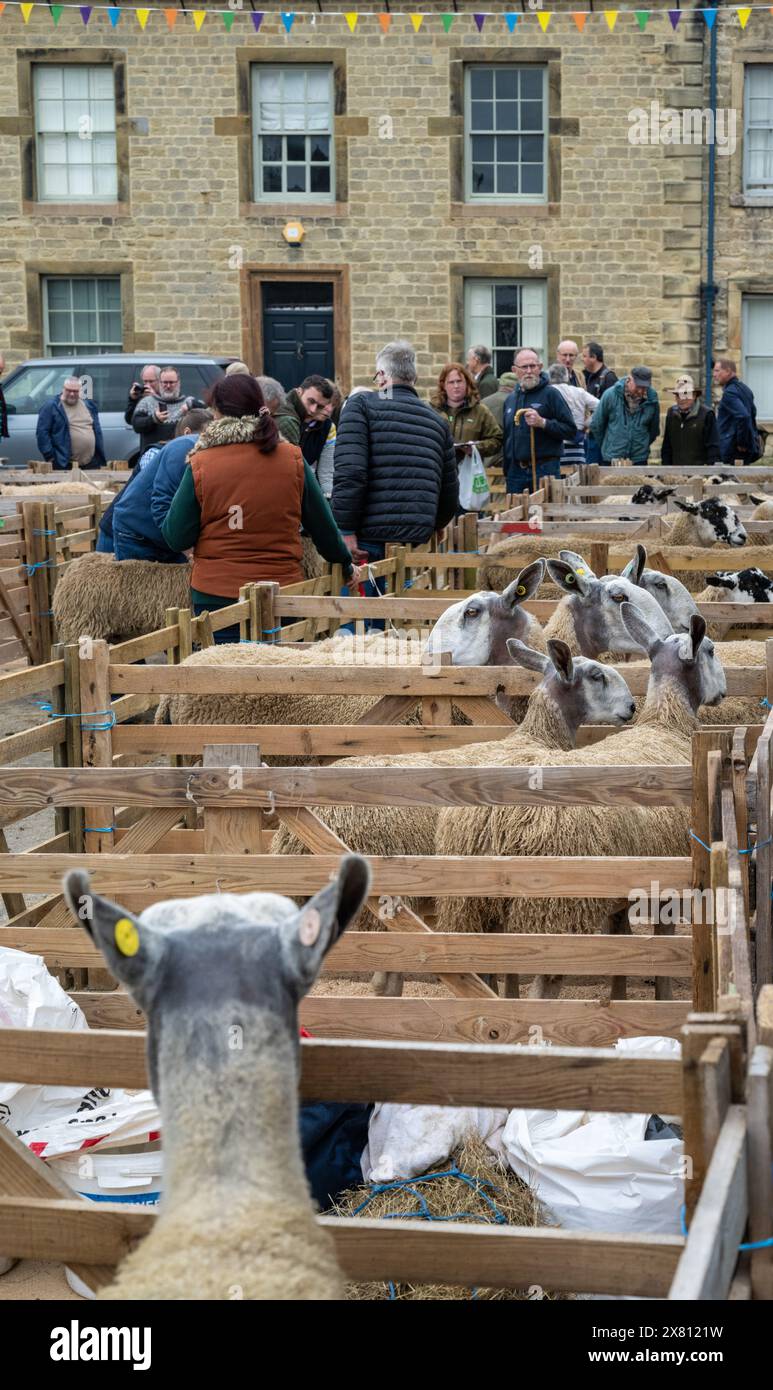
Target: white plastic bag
<point>473,484</point>
<point>405,1140</point>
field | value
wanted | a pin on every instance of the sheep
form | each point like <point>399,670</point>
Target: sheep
<point>735,586</point>
<point>707,523</point>
<point>236,1213</point>
<point>525,549</point>
<point>762,512</point>
<point>473,631</point>
<point>573,691</point>
<point>33,492</point>
<point>314,567</point>
<point>98,596</point>
<point>645,496</point>
<point>685,673</point>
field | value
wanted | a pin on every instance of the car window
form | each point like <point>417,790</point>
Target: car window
<point>196,379</point>
<point>33,387</point>
<point>107,383</point>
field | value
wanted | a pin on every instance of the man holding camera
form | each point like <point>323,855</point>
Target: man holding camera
<point>155,416</point>
<point>148,385</point>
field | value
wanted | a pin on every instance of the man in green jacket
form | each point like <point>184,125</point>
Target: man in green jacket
<point>628,418</point>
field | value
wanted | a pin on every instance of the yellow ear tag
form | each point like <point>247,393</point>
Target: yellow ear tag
<point>521,589</point>
<point>127,938</point>
<point>579,571</point>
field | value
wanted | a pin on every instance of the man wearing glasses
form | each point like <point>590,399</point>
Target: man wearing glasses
<point>533,446</point>
<point>156,416</point>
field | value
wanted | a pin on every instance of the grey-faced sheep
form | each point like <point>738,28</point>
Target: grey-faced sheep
<point>236,1213</point>
<point>473,631</point>
<point>685,673</point>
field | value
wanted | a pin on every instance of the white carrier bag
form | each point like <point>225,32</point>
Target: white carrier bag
<point>473,484</point>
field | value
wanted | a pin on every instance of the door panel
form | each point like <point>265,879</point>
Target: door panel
<point>297,343</point>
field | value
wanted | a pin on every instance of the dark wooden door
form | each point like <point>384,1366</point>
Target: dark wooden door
<point>297,337</point>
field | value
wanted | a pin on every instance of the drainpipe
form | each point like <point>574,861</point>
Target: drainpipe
<point>709,289</point>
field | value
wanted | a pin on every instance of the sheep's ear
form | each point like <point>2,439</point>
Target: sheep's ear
<point>527,656</point>
<point>571,580</point>
<point>561,658</point>
<point>129,948</point>
<point>524,585</point>
<point>635,567</point>
<point>664,493</point>
<point>576,561</point>
<point>691,507</point>
<point>757,500</point>
<point>718,581</point>
<point>639,629</point>
<point>309,936</point>
<point>697,632</point>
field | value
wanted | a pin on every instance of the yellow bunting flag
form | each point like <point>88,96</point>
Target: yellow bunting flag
<point>385,20</point>
<point>171,17</point>
<point>26,11</point>
<point>611,18</point>
<point>579,20</point>
<point>142,17</point>
<point>743,17</point>
<point>198,18</point>
<point>417,20</point>
<point>351,20</point>
<point>544,20</point>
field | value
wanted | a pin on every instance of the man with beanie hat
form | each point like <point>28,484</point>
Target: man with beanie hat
<point>628,418</point>
<point>690,436</point>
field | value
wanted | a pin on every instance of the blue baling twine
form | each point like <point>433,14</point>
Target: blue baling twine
<point>81,714</point>
<point>424,1213</point>
<point>766,703</point>
<point>43,533</point>
<point>98,829</point>
<point>747,1245</point>
<point>750,850</point>
<point>40,564</point>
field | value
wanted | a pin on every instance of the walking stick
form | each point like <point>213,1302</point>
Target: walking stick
<point>517,417</point>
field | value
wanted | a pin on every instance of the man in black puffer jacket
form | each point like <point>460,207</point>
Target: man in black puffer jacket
<point>396,479</point>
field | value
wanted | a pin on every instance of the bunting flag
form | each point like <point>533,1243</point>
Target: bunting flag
<point>26,11</point>
<point>579,20</point>
<point>198,18</point>
<point>114,15</point>
<point>417,20</point>
<point>85,12</point>
<point>511,20</point>
<point>142,17</point>
<point>642,17</point>
<point>288,20</point>
<point>743,17</point>
<point>448,20</point>
<point>385,20</point>
<point>171,17</point>
<point>674,16</point>
<point>709,17</point>
<point>544,20</point>
<point>611,18</point>
<point>351,20</point>
<point>228,20</point>
<point>257,19</point>
<point>480,20</point>
<point>56,12</point>
<point>2,6</point>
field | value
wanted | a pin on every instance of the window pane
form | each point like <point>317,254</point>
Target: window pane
<point>53,149</point>
<point>531,149</point>
<point>296,178</point>
<point>76,83</point>
<point>48,81</point>
<point>74,111</point>
<point>294,85</point>
<point>481,83</point>
<point>318,116</point>
<point>85,326</point>
<point>507,115</point>
<point>482,115</point>
<point>50,115</point>
<point>293,118</point>
<point>319,147</point>
<point>507,178</point>
<point>109,293</point>
<point>507,149</point>
<point>318,85</point>
<point>84,294</point>
<point>531,178</point>
<point>320,179</point>
<point>105,181</point>
<point>483,178</point>
<point>110,328</point>
<point>506,299</point>
<point>296,147</point>
<point>271,148</point>
<point>78,151</point>
<point>59,294</point>
<point>81,180</point>
<point>507,84</point>
<point>102,84</point>
<point>482,149</point>
<point>102,115</point>
<point>269,116</point>
<point>272,178</point>
<point>58,327</point>
<point>103,147</point>
<point>270,84</point>
<point>531,82</point>
<point>531,115</point>
<point>54,181</point>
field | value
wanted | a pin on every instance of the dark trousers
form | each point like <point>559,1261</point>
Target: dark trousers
<point>519,476</point>
<point>375,551</point>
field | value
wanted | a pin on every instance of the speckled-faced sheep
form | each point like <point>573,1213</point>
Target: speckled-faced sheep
<point>735,586</point>
<point>236,1217</point>
<point>98,596</point>
<point>474,631</point>
<point>685,673</point>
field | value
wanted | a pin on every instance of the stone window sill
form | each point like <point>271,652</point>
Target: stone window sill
<point>293,210</point>
<point>503,212</point>
<point>42,210</point>
<point>740,200</point>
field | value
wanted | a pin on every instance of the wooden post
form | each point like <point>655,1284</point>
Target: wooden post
<point>336,585</point>
<point>185,640</point>
<point>599,558</point>
<point>704,741</point>
<point>266,594</point>
<point>52,555</point>
<point>96,735</point>
<point>37,581</point>
<point>172,619</point>
<point>244,623</point>
<point>706,1096</point>
<point>760,1126</point>
<point>59,751</point>
<point>74,756</point>
<point>764,857</point>
<point>239,829</point>
<point>437,709</point>
<point>741,814</point>
<point>469,529</point>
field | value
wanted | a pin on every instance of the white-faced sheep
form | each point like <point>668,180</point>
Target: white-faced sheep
<point>685,673</point>
<point>474,631</point>
<point>236,1212</point>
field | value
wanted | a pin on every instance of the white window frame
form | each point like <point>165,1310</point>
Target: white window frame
<point>87,140</point>
<point>469,195</point>
<point>475,332</point>
<point>755,190</point>
<point>73,345</point>
<point>764,406</point>
<point>281,196</point>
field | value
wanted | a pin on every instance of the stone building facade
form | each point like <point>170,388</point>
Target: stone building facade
<point>612,246</point>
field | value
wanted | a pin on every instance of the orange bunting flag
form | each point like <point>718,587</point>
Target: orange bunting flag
<point>142,17</point>
<point>611,18</point>
<point>26,11</point>
<point>417,20</point>
<point>171,17</point>
<point>743,17</point>
<point>544,20</point>
<point>579,20</point>
<point>198,18</point>
<point>385,20</point>
<point>351,20</point>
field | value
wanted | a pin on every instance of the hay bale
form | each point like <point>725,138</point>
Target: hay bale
<point>448,1199</point>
